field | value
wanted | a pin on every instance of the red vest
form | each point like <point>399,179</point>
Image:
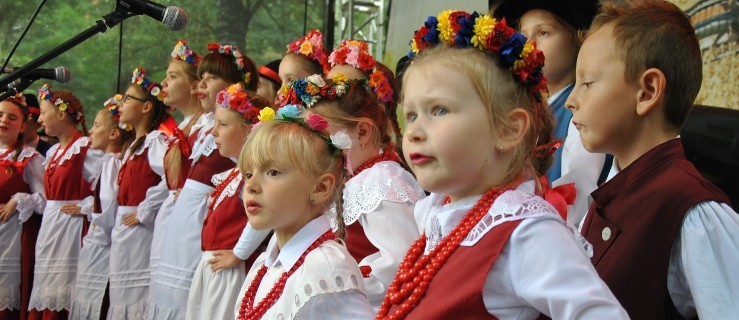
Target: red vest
<point>12,182</point>
<point>136,178</point>
<point>633,222</point>
<point>456,290</point>
<point>357,243</point>
<point>222,226</point>
<point>203,170</point>
<point>67,182</point>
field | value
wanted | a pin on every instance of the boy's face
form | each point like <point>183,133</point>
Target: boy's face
<point>603,102</point>
<point>558,43</point>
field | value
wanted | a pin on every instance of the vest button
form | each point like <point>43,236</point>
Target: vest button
<point>606,234</point>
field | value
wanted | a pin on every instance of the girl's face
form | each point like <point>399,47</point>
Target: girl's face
<point>266,90</point>
<point>277,197</point>
<point>179,90</point>
<point>101,130</point>
<point>208,89</point>
<point>51,118</point>
<point>291,69</point>
<point>134,106</point>
<point>11,123</point>
<point>230,132</point>
<point>448,141</point>
<point>556,40</point>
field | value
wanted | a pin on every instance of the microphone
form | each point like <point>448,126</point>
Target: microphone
<point>59,74</point>
<point>174,18</point>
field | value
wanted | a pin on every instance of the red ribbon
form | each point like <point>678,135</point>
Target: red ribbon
<point>559,197</point>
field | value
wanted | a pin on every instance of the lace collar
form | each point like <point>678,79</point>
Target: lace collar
<point>74,149</point>
<point>26,152</point>
<point>232,187</point>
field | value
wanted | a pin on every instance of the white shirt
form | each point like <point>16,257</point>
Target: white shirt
<point>33,175</point>
<point>327,286</point>
<point>702,277</point>
<point>543,268</point>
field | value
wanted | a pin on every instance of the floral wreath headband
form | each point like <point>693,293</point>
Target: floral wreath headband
<point>315,123</point>
<point>20,100</point>
<point>45,94</point>
<point>151,87</point>
<point>356,54</point>
<point>184,53</point>
<point>311,47</point>
<point>232,50</point>
<point>308,91</point>
<point>113,107</point>
<point>236,98</point>
<point>463,30</point>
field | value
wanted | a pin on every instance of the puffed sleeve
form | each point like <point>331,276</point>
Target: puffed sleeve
<point>249,241</point>
<point>92,165</point>
<point>33,175</point>
<point>702,278</point>
<point>155,195</point>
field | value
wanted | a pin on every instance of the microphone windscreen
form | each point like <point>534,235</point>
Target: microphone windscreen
<point>62,74</point>
<point>175,18</point>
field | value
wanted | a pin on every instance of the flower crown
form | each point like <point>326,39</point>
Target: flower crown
<point>236,99</point>
<point>19,99</point>
<point>45,94</point>
<point>463,30</point>
<point>183,52</point>
<point>315,123</point>
<point>356,54</point>
<point>151,87</point>
<point>308,91</point>
<point>228,49</point>
<point>113,107</point>
<point>311,47</point>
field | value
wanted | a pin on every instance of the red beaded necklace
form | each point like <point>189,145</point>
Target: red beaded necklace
<point>54,163</point>
<point>248,311</point>
<point>219,189</point>
<point>417,270</point>
<point>388,155</point>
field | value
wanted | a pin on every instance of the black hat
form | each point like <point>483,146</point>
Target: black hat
<point>33,106</point>
<point>271,71</point>
<point>578,13</point>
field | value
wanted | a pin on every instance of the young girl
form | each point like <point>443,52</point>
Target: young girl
<point>21,175</point>
<point>181,245</point>
<point>89,299</point>
<point>219,274</point>
<point>305,56</point>
<point>380,194</point>
<point>477,137</point>
<point>304,273</point>
<point>557,31</point>
<point>180,90</point>
<point>138,198</point>
<point>70,169</point>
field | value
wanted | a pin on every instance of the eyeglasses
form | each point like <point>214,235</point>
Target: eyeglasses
<point>126,96</point>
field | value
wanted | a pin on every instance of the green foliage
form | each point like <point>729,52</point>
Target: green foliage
<point>146,42</point>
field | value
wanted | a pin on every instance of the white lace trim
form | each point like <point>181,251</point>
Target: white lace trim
<point>54,299</point>
<point>230,189</point>
<point>510,206</point>
<point>87,205</point>
<point>10,302</point>
<point>25,204</point>
<point>74,149</point>
<point>150,138</point>
<point>26,152</point>
<point>204,145</point>
<point>385,181</point>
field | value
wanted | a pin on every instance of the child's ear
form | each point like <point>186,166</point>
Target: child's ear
<point>651,92</point>
<point>114,134</point>
<point>194,87</point>
<point>323,189</point>
<point>148,107</point>
<point>519,123</point>
<point>364,132</point>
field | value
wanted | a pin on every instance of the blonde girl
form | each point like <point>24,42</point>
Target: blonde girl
<point>477,136</point>
<point>305,273</point>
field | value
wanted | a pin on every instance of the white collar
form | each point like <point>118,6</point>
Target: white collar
<point>295,247</point>
<point>184,122</point>
<point>558,93</point>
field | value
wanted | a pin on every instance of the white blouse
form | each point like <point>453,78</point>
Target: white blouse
<point>327,286</point>
<point>33,175</point>
<point>543,268</point>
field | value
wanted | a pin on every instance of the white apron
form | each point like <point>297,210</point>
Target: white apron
<point>10,264</point>
<point>129,268</point>
<point>92,275</point>
<point>213,295</point>
<point>159,226</point>
<point>180,252</point>
<point>57,250</point>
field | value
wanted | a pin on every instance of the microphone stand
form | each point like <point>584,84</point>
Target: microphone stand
<point>109,21</point>
<point>10,91</point>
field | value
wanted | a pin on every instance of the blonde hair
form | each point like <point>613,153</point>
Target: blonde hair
<point>295,145</point>
<point>501,94</point>
<point>174,157</point>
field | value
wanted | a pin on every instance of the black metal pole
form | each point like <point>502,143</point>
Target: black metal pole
<point>109,21</point>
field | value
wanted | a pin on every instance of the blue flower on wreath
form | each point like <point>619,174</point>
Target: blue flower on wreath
<point>289,111</point>
<point>510,50</point>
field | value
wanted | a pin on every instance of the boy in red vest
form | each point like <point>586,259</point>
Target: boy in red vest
<point>664,238</point>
